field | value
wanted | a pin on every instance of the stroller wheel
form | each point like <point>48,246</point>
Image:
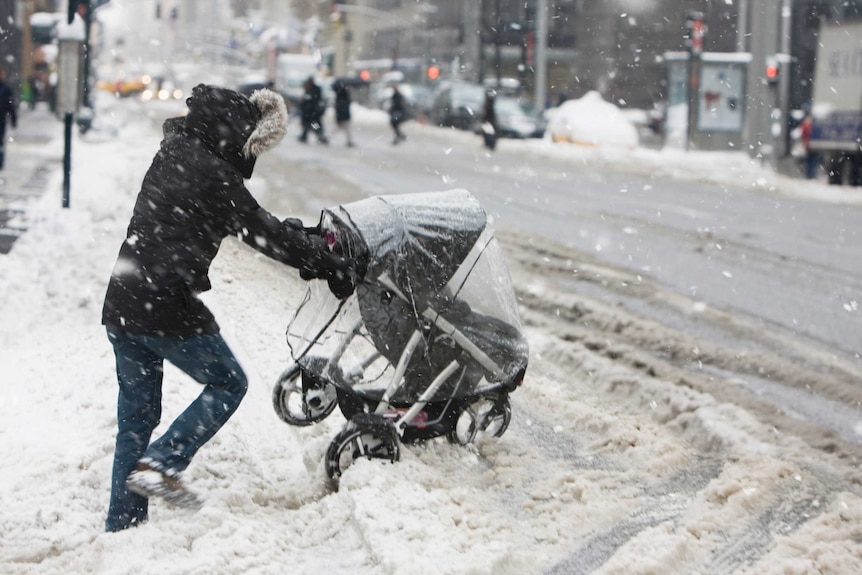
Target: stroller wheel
<point>298,406</point>
<point>487,416</point>
<point>365,435</point>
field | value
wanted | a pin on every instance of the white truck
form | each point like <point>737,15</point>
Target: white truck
<point>291,72</point>
<point>837,102</point>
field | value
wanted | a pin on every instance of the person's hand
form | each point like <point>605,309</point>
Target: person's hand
<point>313,267</point>
<point>342,282</point>
<point>346,275</point>
<point>297,224</point>
<point>339,272</point>
<point>294,223</point>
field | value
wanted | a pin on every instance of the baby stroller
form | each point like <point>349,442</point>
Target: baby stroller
<point>429,344</point>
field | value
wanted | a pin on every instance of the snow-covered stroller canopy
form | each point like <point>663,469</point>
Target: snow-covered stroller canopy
<point>435,272</point>
<point>417,240</point>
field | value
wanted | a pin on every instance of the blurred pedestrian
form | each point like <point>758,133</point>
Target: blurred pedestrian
<point>9,108</point>
<point>342,109</point>
<point>489,120</point>
<point>397,114</point>
<point>192,197</point>
<point>312,108</point>
<point>812,157</point>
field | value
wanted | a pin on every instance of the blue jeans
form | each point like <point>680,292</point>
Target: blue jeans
<point>140,360</point>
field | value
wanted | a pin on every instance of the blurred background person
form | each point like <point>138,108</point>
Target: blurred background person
<point>342,110</point>
<point>312,108</point>
<point>397,114</point>
<point>7,108</point>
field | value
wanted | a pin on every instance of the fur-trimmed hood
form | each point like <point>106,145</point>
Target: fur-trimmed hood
<point>235,127</point>
<point>272,124</point>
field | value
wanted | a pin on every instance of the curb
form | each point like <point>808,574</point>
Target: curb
<point>29,166</point>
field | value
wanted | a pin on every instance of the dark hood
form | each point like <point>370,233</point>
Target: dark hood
<point>223,120</point>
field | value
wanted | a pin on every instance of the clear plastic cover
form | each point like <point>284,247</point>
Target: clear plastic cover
<point>437,294</point>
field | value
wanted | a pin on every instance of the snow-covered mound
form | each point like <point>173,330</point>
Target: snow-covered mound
<point>591,121</point>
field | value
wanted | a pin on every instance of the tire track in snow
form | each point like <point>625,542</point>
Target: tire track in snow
<point>662,353</point>
<point>666,503</point>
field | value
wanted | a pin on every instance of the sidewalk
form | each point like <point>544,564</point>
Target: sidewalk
<point>32,157</point>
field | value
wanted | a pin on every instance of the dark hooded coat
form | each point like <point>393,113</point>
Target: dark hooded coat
<point>7,106</point>
<point>192,197</point>
<point>342,102</point>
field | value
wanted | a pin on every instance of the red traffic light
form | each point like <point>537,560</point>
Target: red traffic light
<point>433,72</point>
<point>773,68</point>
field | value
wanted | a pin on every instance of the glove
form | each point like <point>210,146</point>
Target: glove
<point>294,223</point>
<point>314,266</point>
<point>342,282</point>
<point>346,275</point>
<point>339,272</point>
<point>297,224</point>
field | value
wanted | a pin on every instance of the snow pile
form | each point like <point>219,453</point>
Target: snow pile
<point>591,121</point>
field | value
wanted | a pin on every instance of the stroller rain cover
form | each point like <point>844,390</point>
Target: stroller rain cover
<point>432,260</point>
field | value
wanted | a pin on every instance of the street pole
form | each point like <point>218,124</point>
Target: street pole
<point>696,30</point>
<point>742,26</point>
<point>761,99</point>
<point>783,143</point>
<point>26,68</point>
<point>541,63</point>
<point>497,25</point>
<point>474,43</point>
<point>70,38</point>
<point>68,120</point>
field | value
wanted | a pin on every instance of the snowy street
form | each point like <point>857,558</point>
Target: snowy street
<point>660,429</point>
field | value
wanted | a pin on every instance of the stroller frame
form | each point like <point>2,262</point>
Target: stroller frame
<point>376,424</point>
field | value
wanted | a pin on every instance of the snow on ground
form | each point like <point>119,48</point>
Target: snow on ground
<point>692,483</point>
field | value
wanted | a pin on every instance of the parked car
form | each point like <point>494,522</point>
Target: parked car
<point>457,104</point>
<point>253,82</point>
<point>518,119</point>
<point>503,87</point>
<point>417,98</point>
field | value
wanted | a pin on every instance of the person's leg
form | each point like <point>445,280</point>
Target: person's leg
<point>2,141</point>
<point>208,360</point>
<point>812,160</point>
<point>321,134</point>
<point>397,131</point>
<point>349,135</point>
<point>139,404</point>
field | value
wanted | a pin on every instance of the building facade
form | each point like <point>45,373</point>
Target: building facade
<point>616,47</point>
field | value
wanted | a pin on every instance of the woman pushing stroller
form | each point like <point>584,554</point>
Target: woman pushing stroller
<point>192,197</point>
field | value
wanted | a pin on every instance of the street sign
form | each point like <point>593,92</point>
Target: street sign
<point>69,77</point>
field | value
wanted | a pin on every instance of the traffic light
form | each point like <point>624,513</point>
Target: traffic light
<point>695,31</point>
<point>773,70</point>
<point>433,72</point>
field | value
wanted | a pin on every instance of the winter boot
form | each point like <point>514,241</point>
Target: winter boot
<point>148,481</point>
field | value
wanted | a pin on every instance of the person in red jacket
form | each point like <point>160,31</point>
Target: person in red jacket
<point>192,197</point>
<point>812,157</point>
